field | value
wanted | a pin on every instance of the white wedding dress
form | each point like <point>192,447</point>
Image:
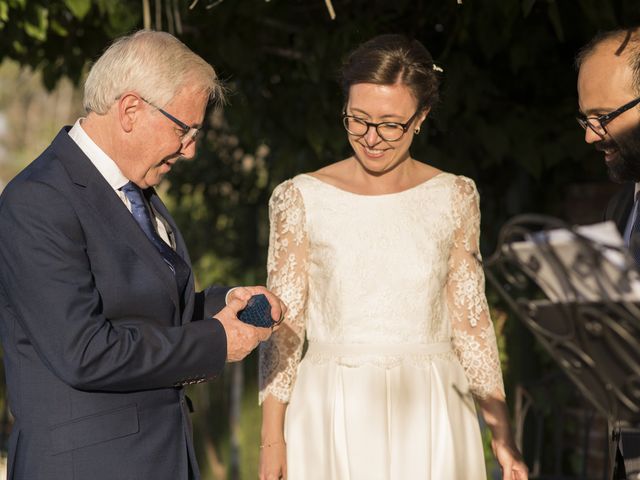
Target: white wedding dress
<point>389,291</point>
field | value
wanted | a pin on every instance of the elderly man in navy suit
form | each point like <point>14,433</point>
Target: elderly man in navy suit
<point>100,322</point>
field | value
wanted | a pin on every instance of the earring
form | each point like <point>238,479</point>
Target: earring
<point>417,130</point>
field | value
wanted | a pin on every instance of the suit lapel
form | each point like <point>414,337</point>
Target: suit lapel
<point>620,206</point>
<point>110,210</point>
<point>162,211</point>
<point>181,249</point>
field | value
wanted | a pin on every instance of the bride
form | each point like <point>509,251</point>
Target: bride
<point>377,259</point>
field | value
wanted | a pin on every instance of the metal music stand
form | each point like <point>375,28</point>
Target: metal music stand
<point>583,311</point>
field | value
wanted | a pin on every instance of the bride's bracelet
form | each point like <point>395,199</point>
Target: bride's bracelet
<point>266,445</point>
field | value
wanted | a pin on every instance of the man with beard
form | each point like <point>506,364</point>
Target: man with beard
<point>609,98</point>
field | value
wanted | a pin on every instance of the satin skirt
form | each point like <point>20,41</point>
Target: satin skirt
<point>377,420</point>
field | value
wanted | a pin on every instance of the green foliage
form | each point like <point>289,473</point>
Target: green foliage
<point>59,36</point>
<point>79,8</point>
<point>505,119</point>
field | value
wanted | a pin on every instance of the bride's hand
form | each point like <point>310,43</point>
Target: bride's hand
<point>513,467</point>
<point>273,461</point>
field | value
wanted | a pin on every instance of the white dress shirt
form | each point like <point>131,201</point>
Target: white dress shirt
<point>109,170</point>
<point>112,174</point>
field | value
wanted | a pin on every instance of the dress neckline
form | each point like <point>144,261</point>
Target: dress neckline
<point>415,187</point>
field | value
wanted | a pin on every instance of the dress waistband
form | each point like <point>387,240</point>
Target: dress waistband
<point>340,349</point>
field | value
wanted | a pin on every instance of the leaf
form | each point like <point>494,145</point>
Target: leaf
<point>59,29</point>
<point>316,140</point>
<point>554,16</point>
<point>18,47</point>
<point>79,8</point>
<point>4,11</point>
<point>38,30</point>
<point>527,6</point>
<point>122,17</point>
<point>519,56</point>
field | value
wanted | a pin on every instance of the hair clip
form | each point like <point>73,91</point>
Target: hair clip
<point>436,68</point>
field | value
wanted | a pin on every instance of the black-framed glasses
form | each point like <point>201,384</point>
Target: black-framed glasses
<point>387,131</point>
<point>188,134</point>
<point>598,123</point>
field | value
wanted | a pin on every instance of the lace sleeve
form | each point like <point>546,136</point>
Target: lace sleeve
<point>474,340</point>
<point>287,278</point>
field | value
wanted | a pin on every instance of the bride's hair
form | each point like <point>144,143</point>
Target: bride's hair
<point>392,58</point>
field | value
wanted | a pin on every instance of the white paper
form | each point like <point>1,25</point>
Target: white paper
<point>569,271</point>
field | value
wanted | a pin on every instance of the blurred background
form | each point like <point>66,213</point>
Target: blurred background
<point>506,119</point>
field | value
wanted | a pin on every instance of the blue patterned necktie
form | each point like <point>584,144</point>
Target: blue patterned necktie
<point>142,215</point>
<point>634,238</point>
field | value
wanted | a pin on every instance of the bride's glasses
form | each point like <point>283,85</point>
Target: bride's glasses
<point>387,131</point>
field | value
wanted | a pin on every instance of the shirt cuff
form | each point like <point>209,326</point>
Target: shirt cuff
<point>226,297</point>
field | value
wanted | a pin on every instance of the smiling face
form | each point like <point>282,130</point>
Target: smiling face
<point>605,82</point>
<point>158,146</point>
<point>382,103</point>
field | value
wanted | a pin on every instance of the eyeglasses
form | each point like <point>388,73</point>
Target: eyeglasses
<point>598,123</point>
<point>387,131</point>
<point>188,134</point>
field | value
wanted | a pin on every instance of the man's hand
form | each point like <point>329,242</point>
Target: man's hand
<point>243,338</point>
<point>278,308</point>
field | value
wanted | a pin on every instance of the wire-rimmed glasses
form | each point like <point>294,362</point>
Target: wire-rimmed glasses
<point>188,134</point>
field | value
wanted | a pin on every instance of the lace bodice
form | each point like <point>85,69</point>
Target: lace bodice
<point>397,268</point>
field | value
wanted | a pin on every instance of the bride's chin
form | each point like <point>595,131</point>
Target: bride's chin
<point>377,167</point>
<point>372,168</point>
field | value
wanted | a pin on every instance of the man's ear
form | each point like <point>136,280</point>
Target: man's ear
<point>129,108</point>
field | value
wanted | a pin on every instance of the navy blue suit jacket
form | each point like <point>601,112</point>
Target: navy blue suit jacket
<point>97,341</point>
<point>620,206</point>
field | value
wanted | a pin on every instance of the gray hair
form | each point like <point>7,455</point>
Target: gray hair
<point>156,65</point>
<point>629,39</point>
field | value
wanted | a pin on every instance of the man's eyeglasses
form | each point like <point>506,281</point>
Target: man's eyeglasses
<point>387,131</point>
<point>188,134</point>
<point>598,123</point>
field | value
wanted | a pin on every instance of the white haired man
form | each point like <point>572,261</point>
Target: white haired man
<point>100,322</point>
